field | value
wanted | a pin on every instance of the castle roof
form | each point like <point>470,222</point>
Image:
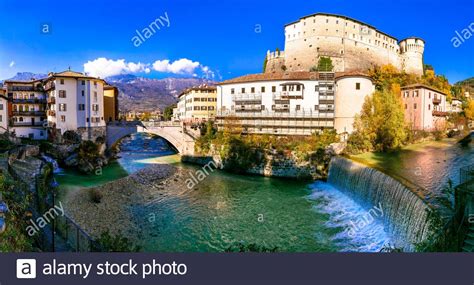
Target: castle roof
<point>295,75</point>
<point>342,17</point>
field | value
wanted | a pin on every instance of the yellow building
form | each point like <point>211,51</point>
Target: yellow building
<point>197,104</point>
<point>111,111</point>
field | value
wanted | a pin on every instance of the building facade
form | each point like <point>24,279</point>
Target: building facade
<point>111,108</point>
<point>425,107</point>
<point>351,44</point>
<point>63,101</point>
<point>197,104</point>
<point>292,103</point>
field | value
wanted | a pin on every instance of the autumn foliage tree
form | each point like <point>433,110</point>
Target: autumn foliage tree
<point>381,123</point>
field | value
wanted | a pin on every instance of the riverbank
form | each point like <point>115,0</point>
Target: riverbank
<point>113,213</point>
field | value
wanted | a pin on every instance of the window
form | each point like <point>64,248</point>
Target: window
<point>252,90</point>
<point>95,96</point>
<point>429,106</point>
<point>357,86</point>
<point>61,81</point>
<point>203,108</point>
<point>274,89</point>
<point>298,87</point>
<point>1,118</point>
<point>242,90</point>
<point>1,107</point>
<point>95,83</point>
<point>262,89</point>
<point>429,95</point>
<point>197,99</point>
<point>82,93</point>
<point>284,88</point>
<point>414,106</point>
<point>81,107</point>
<point>62,107</point>
<point>95,107</point>
<point>62,93</point>
<point>298,107</point>
<point>83,82</point>
<point>63,118</point>
<point>406,106</point>
<point>232,91</point>
<point>210,108</point>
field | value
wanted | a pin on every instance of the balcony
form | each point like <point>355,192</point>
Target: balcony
<point>28,113</point>
<point>251,98</point>
<point>51,113</point>
<point>29,101</point>
<point>440,113</point>
<point>288,95</point>
<point>52,100</point>
<point>48,86</point>
<point>436,100</point>
<point>248,108</point>
<point>27,124</point>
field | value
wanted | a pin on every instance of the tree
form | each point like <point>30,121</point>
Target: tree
<point>324,64</point>
<point>381,123</point>
<point>265,61</point>
<point>168,113</point>
<point>469,110</point>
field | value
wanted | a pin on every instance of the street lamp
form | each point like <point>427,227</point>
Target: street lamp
<point>3,211</point>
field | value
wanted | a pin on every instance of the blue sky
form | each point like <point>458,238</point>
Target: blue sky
<point>208,36</point>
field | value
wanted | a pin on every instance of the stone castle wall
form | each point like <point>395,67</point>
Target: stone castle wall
<point>352,45</point>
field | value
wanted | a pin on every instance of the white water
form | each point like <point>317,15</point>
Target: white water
<point>54,163</point>
<point>346,213</point>
<point>405,214</point>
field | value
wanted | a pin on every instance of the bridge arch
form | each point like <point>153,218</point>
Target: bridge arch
<point>172,132</point>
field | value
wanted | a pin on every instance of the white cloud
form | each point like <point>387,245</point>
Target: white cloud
<point>103,67</point>
<point>180,66</point>
<point>12,63</point>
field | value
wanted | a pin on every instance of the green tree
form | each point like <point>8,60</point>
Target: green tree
<point>168,113</point>
<point>265,61</point>
<point>324,64</point>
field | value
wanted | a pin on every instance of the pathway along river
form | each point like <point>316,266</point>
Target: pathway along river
<point>226,209</point>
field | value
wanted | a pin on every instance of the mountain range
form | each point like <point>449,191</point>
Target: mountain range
<point>140,93</point>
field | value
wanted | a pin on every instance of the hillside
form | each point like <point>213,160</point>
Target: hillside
<point>145,94</point>
<point>467,84</point>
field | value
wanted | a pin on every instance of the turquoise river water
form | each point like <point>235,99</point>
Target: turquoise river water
<point>226,209</point>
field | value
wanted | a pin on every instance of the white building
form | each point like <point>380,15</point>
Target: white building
<point>63,101</point>
<point>454,107</point>
<point>293,103</point>
<point>75,102</point>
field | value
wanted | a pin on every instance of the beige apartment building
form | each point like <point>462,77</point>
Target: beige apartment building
<point>197,104</point>
<point>425,107</point>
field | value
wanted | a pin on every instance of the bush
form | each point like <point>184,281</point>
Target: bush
<point>95,195</point>
<point>71,137</point>
<point>118,243</point>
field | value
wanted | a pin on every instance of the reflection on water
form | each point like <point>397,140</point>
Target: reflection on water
<point>428,165</point>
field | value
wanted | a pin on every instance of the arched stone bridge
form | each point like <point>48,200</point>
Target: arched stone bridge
<point>174,132</point>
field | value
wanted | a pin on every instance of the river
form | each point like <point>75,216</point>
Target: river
<point>226,209</point>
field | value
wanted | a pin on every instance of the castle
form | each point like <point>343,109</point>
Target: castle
<point>351,45</point>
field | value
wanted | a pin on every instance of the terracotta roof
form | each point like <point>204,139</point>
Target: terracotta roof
<point>70,73</point>
<point>295,75</point>
<point>205,87</point>
<point>419,85</point>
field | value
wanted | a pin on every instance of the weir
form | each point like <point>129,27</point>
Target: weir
<point>405,214</point>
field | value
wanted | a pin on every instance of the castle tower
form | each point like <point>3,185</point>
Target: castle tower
<point>411,51</point>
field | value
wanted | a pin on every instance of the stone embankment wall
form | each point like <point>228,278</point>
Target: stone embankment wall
<point>274,164</point>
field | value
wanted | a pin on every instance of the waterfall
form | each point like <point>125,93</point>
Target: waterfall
<point>53,162</point>
<point>405,214</point>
